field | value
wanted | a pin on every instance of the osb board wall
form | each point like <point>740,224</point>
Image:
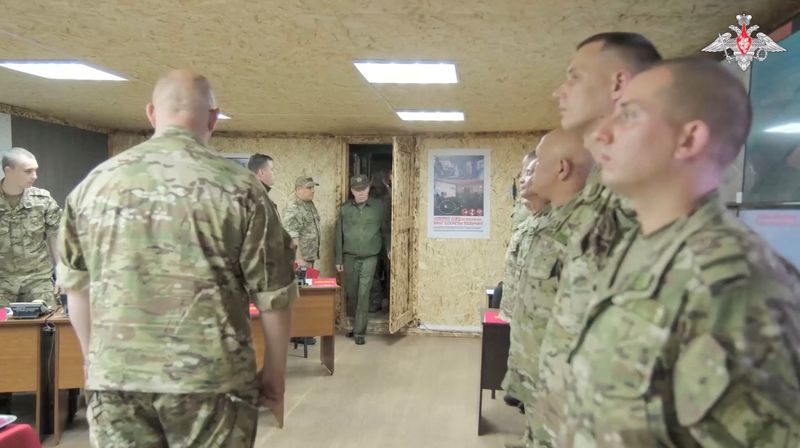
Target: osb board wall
<point>453,274</point>
<point>320,158</point>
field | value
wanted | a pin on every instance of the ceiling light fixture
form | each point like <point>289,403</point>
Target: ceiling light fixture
<point>61,70</point>
<point>408,72</point>
<point>430,115</point>
<point>789,128</point>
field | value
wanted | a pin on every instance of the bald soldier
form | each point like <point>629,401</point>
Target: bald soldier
<point>694,336</point>
<point>601,67</point>
<point>29,219</point>
<point>162,248</point>
<point>558,176</point>
<point>516,257</point>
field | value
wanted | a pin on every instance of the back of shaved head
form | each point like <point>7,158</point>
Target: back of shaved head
<point>568,146</point>
<point>702,89</point>
<point>182,91</point>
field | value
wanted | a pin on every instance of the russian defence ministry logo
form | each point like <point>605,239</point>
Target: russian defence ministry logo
<point>744,48</point>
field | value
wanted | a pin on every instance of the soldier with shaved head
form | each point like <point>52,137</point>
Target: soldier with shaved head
<point>556,176</point>
<point>693,338</point>
<point>162,249</point>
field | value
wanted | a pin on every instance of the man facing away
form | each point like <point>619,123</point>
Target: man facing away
<point>162,248</point>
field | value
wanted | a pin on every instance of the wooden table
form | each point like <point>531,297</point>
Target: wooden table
<point>313,314</point>
<point>20,359</point>
<point>67,373</point>
<point>495,340</point>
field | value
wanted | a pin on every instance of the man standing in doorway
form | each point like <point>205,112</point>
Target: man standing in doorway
<point>361,232</point>
<point>301,221</point>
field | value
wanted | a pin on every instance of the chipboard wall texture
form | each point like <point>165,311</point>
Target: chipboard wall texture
<point>453,274</point>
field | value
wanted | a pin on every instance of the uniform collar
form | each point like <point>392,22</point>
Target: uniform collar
<point>368,202</point>
<point>24,200</point>
<point>179,132</point>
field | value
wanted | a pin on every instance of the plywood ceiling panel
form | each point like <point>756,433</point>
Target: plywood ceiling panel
<point>286,66</point>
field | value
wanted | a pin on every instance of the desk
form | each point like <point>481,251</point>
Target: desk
<point>495,339</point>
<point>313,314</point>
<point>67,372</point>
<point>20,359</point>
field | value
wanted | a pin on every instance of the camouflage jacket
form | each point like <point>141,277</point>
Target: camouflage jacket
<point>594,229</point>
<point>698,344</point>
<point>519,215</point>
<point>535,293</point>
<point>25,232</point>
<point>170,238</point>
<point>301,220</point>
<point>280,262</point>
<point>516,256</point>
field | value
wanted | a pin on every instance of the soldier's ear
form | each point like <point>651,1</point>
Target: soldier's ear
<point>150,110</point>
<point>619,80</point>
<point>694,139</point>
<point>565,169</point>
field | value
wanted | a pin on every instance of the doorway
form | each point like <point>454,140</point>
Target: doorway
<point>375,161</point>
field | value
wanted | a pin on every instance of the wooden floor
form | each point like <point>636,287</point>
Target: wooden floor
<point>407,391</point>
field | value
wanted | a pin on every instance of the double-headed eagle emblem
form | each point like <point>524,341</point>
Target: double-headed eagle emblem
<point>744,48</point>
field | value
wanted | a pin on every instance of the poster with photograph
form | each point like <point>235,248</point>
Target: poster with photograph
<point>241,159</point>
<point>458,189</point>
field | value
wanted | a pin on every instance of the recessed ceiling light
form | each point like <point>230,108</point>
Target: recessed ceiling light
<point>430,115</point>
<point>789,128</point>
<point>62,70</point>
<point>408,72</point>
<point>221,116</point>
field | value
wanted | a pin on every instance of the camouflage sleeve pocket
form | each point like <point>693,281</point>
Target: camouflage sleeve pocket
<point>700,378</point>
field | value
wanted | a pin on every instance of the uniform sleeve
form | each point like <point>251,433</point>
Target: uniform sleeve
<point>71,271</point>
<point>736,380</point>
<point>339,239</point>
<point>253,257</point>
<point>292,221</point>
<point>52,218</point>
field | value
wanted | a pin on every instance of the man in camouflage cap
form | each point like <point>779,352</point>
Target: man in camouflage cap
<point>301,220</point>
<point>29,219</point>
<point>693,338</point>
<point>602,65</point>
<point>361,231</point>
<point>557,175</point>
<point>162,248</point>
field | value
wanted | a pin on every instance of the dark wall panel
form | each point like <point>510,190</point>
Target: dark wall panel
<point>65,154</point>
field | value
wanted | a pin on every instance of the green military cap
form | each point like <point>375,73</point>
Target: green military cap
<point>359,182</point>
<point>305,181</point>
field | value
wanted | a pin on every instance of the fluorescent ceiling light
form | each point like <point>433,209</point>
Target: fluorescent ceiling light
<point>408,72</point>
<point>73,70</point>
<point>430,115</point>
<point>222,116</point>
<point>789,128</point>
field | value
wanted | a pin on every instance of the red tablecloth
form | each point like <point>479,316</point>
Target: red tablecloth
<point>19,436</point>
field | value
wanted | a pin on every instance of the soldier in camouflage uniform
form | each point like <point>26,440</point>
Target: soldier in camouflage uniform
<point>162,248</point>
<point>516,254</point>
<point>558,176</point>
<point>29,219</point>
<point>694,336</point>
<point>598,221</point>
<point>301,220</point>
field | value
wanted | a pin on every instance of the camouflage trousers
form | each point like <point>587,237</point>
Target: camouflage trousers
<point>26,288</point>
<point>140,419</point>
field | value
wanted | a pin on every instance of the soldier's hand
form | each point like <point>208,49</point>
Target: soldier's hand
<point>339,268</point>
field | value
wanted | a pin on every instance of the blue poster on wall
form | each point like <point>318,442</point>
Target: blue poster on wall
<point>780,228</point>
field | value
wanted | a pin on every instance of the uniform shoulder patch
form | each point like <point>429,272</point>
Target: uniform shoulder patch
<point>720,256</point>
<point>39,192</point>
